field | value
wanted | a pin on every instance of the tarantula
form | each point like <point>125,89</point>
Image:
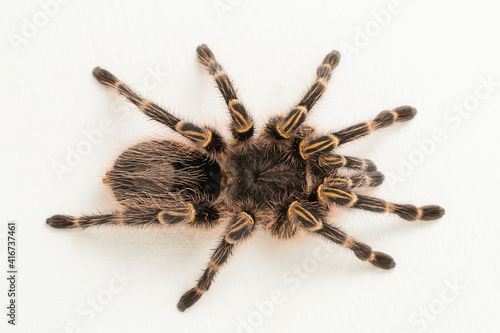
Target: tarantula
<point>287,179</point>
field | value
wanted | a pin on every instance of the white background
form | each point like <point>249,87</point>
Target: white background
<point>433,55</point>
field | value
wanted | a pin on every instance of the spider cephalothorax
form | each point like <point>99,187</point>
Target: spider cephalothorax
<point>285,180</point>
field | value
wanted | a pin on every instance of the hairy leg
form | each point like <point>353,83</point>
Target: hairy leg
<point>122,218</point>
<point>322,145</point>
<point>361,250</point>
<point>383,119</point>
<point>242,124</point>
<point>308,217</point>
<point>334,161</point>
<point>343,196</point>
<point>187,213</point>
<point>285,127</point>
<point>240,228</point>
<point>201,136</point>
<point>368,179</point>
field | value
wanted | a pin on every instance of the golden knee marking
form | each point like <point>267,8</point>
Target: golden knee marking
<point>284,128</point>
<point>244,221</point>
<point>338,182</point>
<point>243,123</point>
<point>320,193</point>
<point>322,80</point>
<point>247,216</point>
<point>187,210</point>
<point>302,108</point>
<point>76,221</point>
<point>390,207</point>
<point>207,140</point>
<point>344,160</point>
<point>310,149</point>
<point>368,180</point>
<point>340,194</point>
<point>283,135</point>
<point>420,212</point>
<point>339,160</point>
<point>192,213</point>
<point>336,194</point>
<point>230,240</point>
<point>395,114</point>
<point>179,125</point>
<point>349,242</point>
<point>198,135</point>
<point>371,126</point>
<point>120,218</point>
<point>290,208</point>
<point>295,211</point>
<point>161,219</point>
<point>301,149</point>
<point>364,165</point>
<point>335,140</point>
<point>232,102</point>
<point>353,201</point>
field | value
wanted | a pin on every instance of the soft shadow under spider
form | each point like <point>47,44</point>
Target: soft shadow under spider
<point>284,179</point>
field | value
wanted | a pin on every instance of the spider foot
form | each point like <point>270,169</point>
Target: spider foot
<point>431,212</point>
<point>62,221</point>
<point>189,298</point>
<point>382,260</point>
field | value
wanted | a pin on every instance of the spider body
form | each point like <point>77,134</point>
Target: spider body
<point>285,179</point>
<point>263,176</point>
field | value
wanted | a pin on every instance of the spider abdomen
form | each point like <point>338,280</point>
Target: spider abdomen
<point>157,173</point>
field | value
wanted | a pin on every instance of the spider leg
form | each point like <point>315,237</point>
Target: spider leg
<point>242,124</point>
<point>297,115</point>
<point>322,145</point>
<point>369,179</point>
<point>383,119</point>
<point>124,218</point>
<point>201,136</point>
<point>309,218</point>
<point>341,195</point>
<point>187,213</point>
<point>333,161</point>
<point>240,227</point>
<point>325,144</point>
<point>361,250</point>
